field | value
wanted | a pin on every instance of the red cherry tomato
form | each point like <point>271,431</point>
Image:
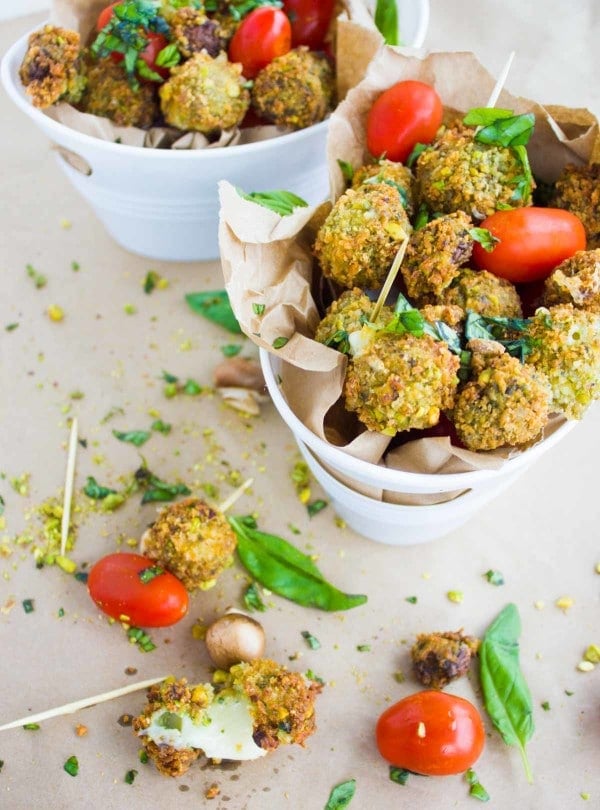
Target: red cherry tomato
<point>432,733</point>
<point>263,35</point>
<point>407,113</point>
<point>116,587</point>
<point>533,241</point>
<point>105,15</point>
<point>156,42</point>
<point>310,20</point>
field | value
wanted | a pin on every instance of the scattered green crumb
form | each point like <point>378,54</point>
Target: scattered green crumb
<point>65,224</point>
<point>130,776</point>
<point>340,523</point>
<point>76,395</point>
<point>253,600</point>
<point>231,349</point>
<point>28,606</point>
<point>564,603</point>
<point>141,639</point>
<point>585,796</point>
<point>129,309</point>
<point>545,706</point>
<point>75,266</point>
<point>38,279</point>
<point>315,507</point>
<point>71,766</point>
<point>20,484</point>
<point>411,600</point>
<point>592,654</point>
<point>143,756</point>
<point>363,647</point>
<point>55,313</point>
<point>61,613</point>
<point>568,693</point>
<point>293,528</point>
<point>311,640</point>
<point>399,775</point>
<point>494,577</point>
<point>10,327</point>
<point>455,596</point>
<point>399,676</point>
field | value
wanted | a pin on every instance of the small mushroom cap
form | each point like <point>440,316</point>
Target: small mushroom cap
<point>234,638</point>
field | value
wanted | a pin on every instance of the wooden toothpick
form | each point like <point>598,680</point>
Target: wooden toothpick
<point>391,277</point>
<point>69,477</point>
<point>228,502</point>
<point>500,81</point>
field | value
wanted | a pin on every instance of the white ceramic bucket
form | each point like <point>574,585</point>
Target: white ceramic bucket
<point>392,523</point>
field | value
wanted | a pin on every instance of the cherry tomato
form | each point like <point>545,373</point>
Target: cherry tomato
<point>533,241</point>
<point>116,587</point>
<point>263,35</point>
<point>310,20</point>
<point>156,42</point>
<point>432,733</point>
<point>407,113</point>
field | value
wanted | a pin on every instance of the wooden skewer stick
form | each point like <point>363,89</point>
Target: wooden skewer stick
<point>69,708</point>
<point>69,478</point>
<point>501,81</point>
<point>389,280</point>
<point>228,502</point>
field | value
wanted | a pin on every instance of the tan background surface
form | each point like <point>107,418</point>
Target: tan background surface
<point>542,534</point>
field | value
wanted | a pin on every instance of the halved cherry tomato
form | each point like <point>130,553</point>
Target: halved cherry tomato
<point>432,733</point>
<point>533,241</point>
<point>105,15</point>
<point>116,584</point>
<point>310,20</point>
<point>156,42</point>
<point>408,113</point>
<point>262,36</point>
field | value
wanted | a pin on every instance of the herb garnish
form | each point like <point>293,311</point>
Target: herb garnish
<point>169,56</point>
<point>31,726</point>
<point>510,332</point>
<point>161,427</point>
<point>130,776</point>
<point>38,279</point>
<point>386,20</point>
<point>316,506</point>
<point>477,790</point>
<point>135,437</point>
<point>2,505</point>
<point>151,279</point>
<point>258,309</point>
<point>417,150</point>
<point>215,307</point>
<point>71,766</point>
<point>141,639</point>
<point>347,170</point>
<point>280,342</point>
<point>341,795</point>
<point>399,775</point>
<point>485,238</point>
<point>494,577</point>
<point>312,641</point>
<point>412,600</point>
<point>10,327</point>
<point>422,217</point>
<point>157,490</point>
<point>281,202</point>
<point>285,570</point>
<point>146,575</point>
<point>28,605</point>
<point>506,695</point>
<point>96,491</point>
<point>253,599</point>
<point>231,349</point>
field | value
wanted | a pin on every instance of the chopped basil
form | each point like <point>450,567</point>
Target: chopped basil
<point>280,342</point>
<point>192,388</point>
<point>170,720</point>
<point>485,116</point>
<point>215,307</point>
<point>258,309</point>
<point>347,170</point>
<point>146,575</point>
<point>411,600</point>
<point>477,790</point>
<point>31,726</point>
<point>28,605</point>
<point>141,639</point>
<point>386,20</point>
<point>151,279</point>
<point>61,613</point>
<point>281,202</point>
<point>486,239</point>
<point>143,756</point>
<point>161,427</point>
<point>311,640</point>
<point>169,56</point>
<point>81,576</point>
<point>130,776</point>
<point>96,491</point>
<point>146,72</point>
<point>501,330</point>
<point>170,378</point>
<point>38,279</point>
<point>71,766</point>
<point>339,341</point>
<point>399,775</point>
<point>75,266</point>
<point>494,577</point>
<point>157,490</point>
<point>422,217</point>
<point>363,647</point>
<point>231,349</point>
<point>135,437</point>
<point>313,677</point>
<point>545,706</point>
<point>315,507</point>
<point>417,150</point>
<point>10,327</point>
<point>253,599</point>
<point>114,411</point>
<point>341,795</point>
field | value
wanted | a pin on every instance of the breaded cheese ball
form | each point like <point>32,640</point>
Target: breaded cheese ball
<point>294,90</point>
<point>435,254</point>
<point>400,382</point>
<point>191,540</point>
<point>449,314</point>
<point>347,314</point>
<point>50,68</point>
<point>192,32</point>
<point>358,241</point>
<point>566,348</point>
<point>505,403</point>
<point>387,171</point>
<point>459,174</point>
<point>109,94</point>
<point>205,94</point>
<point>578,190</point>
<point>484,293</point>
<point>576,281</point>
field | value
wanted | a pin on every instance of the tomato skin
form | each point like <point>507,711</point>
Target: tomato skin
<point>156,42</point>
<point>405,114</point>
<point>115,586</point>
<point>453,739</point>
<point>533,241</point>
<point>264,34</point>
<point>105,15</point>
<point>310,21</point>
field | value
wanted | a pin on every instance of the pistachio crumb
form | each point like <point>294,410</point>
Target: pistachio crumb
<point>565,602</point>
<point>585,666</point>
<point>455,596</point>
<point>592,654</point>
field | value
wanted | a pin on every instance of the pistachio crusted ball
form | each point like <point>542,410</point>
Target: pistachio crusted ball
<point>50,68</point>
<point>435,254</point>
<point>578,190</point>
<point>191,540</point>
<point>346,315</point>
<point>294,90</point>
<point>394,174</point>
<point>192,32</point>
<point>358,241</point>
<point>400,382</point>
<point>439,658</point>
<point>576,281</point>
<point>484,293</point>
<point>504,402</point>
<point>459,174</point>
<point>108,93</point>
<point>566,348</point>
<point>205,94</point>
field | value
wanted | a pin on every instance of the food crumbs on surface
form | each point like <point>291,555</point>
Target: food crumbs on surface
<point>545,706</point>
<point>38,279</point>
<point>564,603</point>
<point>592,654</point>
<point>55,313</point>
<point>28,605</point>
<point>129,309</point>
<point>130,671</point>
<point>586,666</point>
<point>81,730</point>
<point>586,796</point>
<point>340,522</point>
<point>399,775</point>
<point>212,792</point>
<point>75,266</point>
<point>412,600</point>
<point>311,640</point>
<point>65,224</point>
<point>71,766</point>
<point>494,577</point>
<point>130,776</point>
<point>20,484</point>
<point>341,795</point>
<point>10,327</point>
<point>31,726</point>
<point>421,730</point>
<point>399,676</point>
<point>455,596</point>
<point>539,605</point>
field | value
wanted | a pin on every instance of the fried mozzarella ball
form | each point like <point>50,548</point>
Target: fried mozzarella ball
<point>484,293</point>
<point>576,281</point>
<point>294,90</point>
<point>191,540</point>
<point>399,382</point>
<point>109,94</point>
<point>192,32</point>
<point>247,712</point>
<point>505,403</point>
<point>439,658</point>
<point>205,94</point>
<point>348,314</point>
<point>459,174</point>
<point>578,190</point>
<point>435,254</point>
<point>394,174</point>
<point>566,348</point>
<point>50,67</point>
<point>358,241</point>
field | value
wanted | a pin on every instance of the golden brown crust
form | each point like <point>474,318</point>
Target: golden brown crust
<point>576,281</point>
<point>439,658</point>
<point>49,69</point>
<point>578,190</point>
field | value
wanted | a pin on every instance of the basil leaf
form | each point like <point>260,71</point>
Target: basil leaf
<point>417,150</point>
<point>485,116</point>
<point>285,570</point>
<point>402,304</point>
<point>339,341</point>
<point>525,181</point>
<point>146,72</point>
<point>312,641</point>
<point>169,56</point>
<point>476,327</point>
<point>231,350</point>
<point>515,131</point>
<point>507,698</point>
<point>253,599</point>
<point>94,490</point>
<point>281,202</point>
<point>422,217</point>
<point>150,281</point>
<point>146,575</point>
<point>347,170</point>
<point>315,507</point>
<point>485,238</point>
<point>136,437</point>
<point>386,20</point>
<point>240,8</point>
<point>280,342</point>
<point>399,775</point>
<point>449,336</point>
<point>341,795</point>
<point>161,427</point>
<point>160,492</point>
<point>215,307</point>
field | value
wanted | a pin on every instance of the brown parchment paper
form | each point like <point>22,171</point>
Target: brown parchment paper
<point>267,260</point>
<point>355,34</point>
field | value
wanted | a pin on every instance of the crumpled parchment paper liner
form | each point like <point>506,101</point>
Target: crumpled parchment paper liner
<point>357,46</point>
<point>267,259</point>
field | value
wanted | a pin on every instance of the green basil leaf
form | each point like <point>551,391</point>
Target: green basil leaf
<point>150,281</point>
<point>160,492</point>
<point>2,505</point>
<point>240,8</point>
<point>281,202</point>
<point>169,56</point>
<point>341,795</point>
<point>417,150</point>
<point>136,437</point>
<point>507,698</point>
<point>170,378</point>
<point>215,307</point>
<point>386,20</point>
<point>258,309</point>
<point>315,507</point>
<point>253,599</point>
<point>161,427</point>
<point>347,170</point>
<point>476,327</point>
<point>312,641</point>
<point>146,72</point>
<point>485,238</point>
<point>399,775</point>
<point>485,116</point>
<point>285,570</point>
<point>71,766</point>
<point>231,350</point>
<point>422,217</point>
<point>146,575</point>
<point>514,131</point>
<point>94,490</point>
<point>402,305</point>
<point>280,342</point>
